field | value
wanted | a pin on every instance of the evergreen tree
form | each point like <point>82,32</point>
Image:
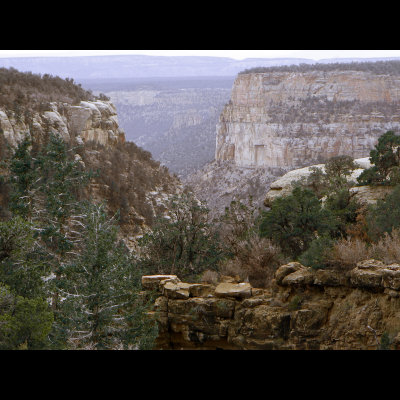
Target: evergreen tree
<point>22,180</point>
<point>24,323</point>
<point>295,221</point>
<point>386,162</point>
<point>384,216</point>
<point>102,307</point>
<point>22,267</point>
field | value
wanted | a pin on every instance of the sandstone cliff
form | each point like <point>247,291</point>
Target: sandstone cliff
<point>279,121</point>
<point>294,119</point>
<point>88,121</point>
<point>304,309</point>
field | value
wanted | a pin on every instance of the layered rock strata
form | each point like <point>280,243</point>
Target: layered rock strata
<point>293,119</point>
<point>304,309</point>
<point>89,121</point>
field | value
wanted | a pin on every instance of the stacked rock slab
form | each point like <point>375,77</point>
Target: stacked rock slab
<point>303,309</point>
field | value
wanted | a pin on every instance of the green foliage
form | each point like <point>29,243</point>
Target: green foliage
<point>385,342</point>
<point>21,265</point>
<point>343,208</point>
<point>22,179</point>
<point>315,255</point>
<point>334,179</point>
<point>59,248</point>
<point>237,224</point>
<point>295,303</point>
<point>386,160</point>
<point>337,170</point>
<point>183,244</point>
<point>24,323</point>
<point>384,216</point>
<point>295,221</point>
<point>102,307</point>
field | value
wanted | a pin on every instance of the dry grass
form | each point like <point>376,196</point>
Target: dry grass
<point>256,261</point>
<point>346,253</point>
<point>210,276</point>
<point>388,248</point>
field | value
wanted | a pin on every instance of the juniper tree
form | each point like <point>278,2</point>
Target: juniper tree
<point>386,162</point>
<point>295,221</point>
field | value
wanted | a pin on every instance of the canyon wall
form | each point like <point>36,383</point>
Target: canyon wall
<point>304,309</point>
<point>129,180</point>
<point>294,119</point>
<point>89,121</point>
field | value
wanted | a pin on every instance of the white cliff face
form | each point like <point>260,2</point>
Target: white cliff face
<point>287,119</point>
<point>89,121</point>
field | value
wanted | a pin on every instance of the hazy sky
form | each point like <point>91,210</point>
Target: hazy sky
<point>237,54</point>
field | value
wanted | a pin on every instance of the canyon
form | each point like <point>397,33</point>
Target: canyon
<point>283,120</point>
<point>174,119</point>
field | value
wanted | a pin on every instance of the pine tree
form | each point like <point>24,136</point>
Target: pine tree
<point>22,180</point>
<point>101,305</point>
<point>24,323</point>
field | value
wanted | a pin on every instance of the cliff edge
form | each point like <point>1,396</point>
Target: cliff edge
<point>304,309</point>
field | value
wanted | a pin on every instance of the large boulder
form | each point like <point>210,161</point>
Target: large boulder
<point>283,186</point>
<point>237,290</point>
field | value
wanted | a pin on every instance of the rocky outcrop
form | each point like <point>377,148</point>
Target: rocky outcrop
<point>89,121</point>
<point>294,119</point>
<point>364,194</point>
<point>303,309</point>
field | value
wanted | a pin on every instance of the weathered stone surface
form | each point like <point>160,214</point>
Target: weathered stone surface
<point>152,282</point>
<point>258,127</point>
<point>285,270</point>
<point>89,121</point>
<point>238,290</point>
<point>368,274</point>
<point>370,194</point>
<point>303,276</point>
<point>330,278</point>
<point>284,185</point>
<point>324,310</point>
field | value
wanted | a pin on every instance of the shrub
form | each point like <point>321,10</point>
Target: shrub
<point>256,260</point>
<point>295,221</point>
<point>346,253</point>
<point>388,248</point>
<point>316,255</point>
<point>386,160</point>
<point>384,216</point>
<point>183,244</point>
<point>209,276</point>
